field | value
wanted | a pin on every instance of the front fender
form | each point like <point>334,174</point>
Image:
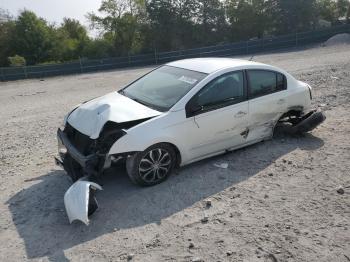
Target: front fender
<point>130,143</point>
<point>162,129</point>
<point>137,143</point>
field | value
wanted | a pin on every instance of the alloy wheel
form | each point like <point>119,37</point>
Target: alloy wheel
<point>155,165</point>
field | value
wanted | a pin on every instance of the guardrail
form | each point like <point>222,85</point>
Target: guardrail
<point>232,49</point>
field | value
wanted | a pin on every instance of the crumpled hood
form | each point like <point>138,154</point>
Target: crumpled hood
<point>89,118</point>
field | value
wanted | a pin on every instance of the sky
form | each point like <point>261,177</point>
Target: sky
<point>53,10</point>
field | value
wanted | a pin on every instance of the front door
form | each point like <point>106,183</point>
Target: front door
<point>219,114</point>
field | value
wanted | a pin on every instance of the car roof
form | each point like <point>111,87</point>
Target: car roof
<point>210,65</point>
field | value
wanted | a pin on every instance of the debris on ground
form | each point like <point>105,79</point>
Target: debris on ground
<point>205,219</point>
<point>340,190</point>
<point>222,165</point>
<point>208,203</point>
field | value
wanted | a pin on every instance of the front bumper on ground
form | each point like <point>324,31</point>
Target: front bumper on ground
<point>80,201</point>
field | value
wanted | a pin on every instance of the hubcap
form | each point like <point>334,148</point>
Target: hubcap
<point>155,165</point>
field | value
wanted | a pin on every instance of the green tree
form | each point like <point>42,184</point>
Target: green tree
<point>249,19</point>
<point>212,22</point>
<point>327,10</point>
<point>16,60</point>
<point>119,22</point>
<point>342,8</point>
<point>69,40</point>
<point>32,38</point>
<point>98,48</point>
<point>7,26</point>
<point>333,10</point>
<point>294,16</point>
<point>161,14</point>
<point>172,23</point>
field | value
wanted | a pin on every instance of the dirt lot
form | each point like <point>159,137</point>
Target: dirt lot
<point>277,200</point>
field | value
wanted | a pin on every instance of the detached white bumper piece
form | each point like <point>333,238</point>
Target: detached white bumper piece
<point>80,201</point>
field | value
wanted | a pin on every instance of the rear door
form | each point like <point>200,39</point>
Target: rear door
<point>267,93</point>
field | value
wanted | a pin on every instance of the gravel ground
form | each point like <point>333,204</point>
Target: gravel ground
<point>276,201</point>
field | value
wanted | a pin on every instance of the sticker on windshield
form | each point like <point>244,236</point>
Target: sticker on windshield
<point>188,80</point>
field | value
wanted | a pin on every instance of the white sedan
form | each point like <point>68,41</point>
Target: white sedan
<point>177,114</point>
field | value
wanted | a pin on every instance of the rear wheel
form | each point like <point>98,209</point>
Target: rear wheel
<point>152,166</point>
<point>295,124</point>
<point>309,122</point>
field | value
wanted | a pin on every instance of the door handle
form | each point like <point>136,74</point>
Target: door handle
<point>240,114</point>
<point>281,101</point>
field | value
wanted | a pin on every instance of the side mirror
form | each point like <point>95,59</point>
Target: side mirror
<point>193,108</point>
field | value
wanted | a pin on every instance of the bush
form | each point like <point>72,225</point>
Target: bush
<point>17,60</point>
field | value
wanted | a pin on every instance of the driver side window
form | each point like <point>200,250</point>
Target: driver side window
<point>226,89</point>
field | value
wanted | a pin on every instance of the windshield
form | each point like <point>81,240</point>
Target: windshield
<point>163,87</point>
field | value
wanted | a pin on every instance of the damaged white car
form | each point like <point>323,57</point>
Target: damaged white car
<point>178,113</point>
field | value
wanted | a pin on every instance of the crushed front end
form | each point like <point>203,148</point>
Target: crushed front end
<point>81,156</point>
<point>84,159</point>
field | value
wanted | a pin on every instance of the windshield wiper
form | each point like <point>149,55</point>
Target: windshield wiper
<point>139,101</point>
<point>144,103</point>
<point>122,92</point>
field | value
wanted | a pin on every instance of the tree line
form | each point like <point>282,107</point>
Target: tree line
<point>127,27</point>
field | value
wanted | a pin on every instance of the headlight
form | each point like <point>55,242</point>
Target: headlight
<point>62,150</point>
<point>65,119</point>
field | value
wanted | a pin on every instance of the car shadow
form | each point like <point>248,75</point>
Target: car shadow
<point>39,216</point>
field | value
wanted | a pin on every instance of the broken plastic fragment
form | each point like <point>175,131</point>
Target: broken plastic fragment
<point>222,165</point>
<point>80,201</point>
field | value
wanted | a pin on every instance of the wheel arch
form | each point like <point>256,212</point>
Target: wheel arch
<point>134,143</point>
<point>292,111</point>
<point>296,111</point>
<point>177,152</point>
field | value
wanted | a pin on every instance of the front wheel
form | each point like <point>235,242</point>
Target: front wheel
<point>152,166</point>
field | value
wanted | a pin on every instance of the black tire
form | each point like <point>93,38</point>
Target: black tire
<point>142,169</point>
<point>309,122</point>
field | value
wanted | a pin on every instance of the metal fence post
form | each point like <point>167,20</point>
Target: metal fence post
<point>263,44</point>
<point>129,59</point>
<point>2,74</point>
<point>81,65</point>
<point>296,38</point>
<point>155,56</point>
<point>246,47</point>
<point>25,71</point>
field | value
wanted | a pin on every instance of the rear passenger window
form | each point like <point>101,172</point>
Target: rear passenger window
<point>281,82</point>
<point>265,82</point>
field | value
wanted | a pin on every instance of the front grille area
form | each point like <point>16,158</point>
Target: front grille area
<point>80,141</point>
